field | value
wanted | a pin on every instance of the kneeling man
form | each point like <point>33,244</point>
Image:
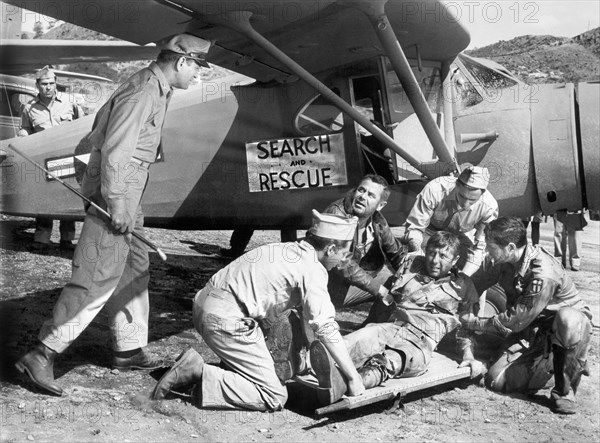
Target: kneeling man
<point>546,324</point>
<point>428,294</point>
<point>253,290</point>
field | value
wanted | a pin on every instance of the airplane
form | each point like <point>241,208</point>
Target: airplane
<point>340,88</point>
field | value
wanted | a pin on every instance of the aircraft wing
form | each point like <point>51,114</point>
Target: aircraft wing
<point>20,56</point>
<point>318,34</point>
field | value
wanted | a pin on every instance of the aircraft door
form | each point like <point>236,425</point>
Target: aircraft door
<point>554,137</point>
<point>367,99</point>
<point>406,127</point>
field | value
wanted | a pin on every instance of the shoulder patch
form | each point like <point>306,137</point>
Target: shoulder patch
<point>536,285</point>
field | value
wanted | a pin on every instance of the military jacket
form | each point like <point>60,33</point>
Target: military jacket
<point>362,267</point>
<point>433,305</point>
<point>537,284</point>
<point>126,131</point>
<point>453,294</point>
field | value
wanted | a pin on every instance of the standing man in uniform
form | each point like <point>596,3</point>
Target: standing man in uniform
<point>47,110</point>
<point>460,205</point>
<point>232,309</point>
<point>110,266</point>
<point>428,294</point>
<point>546,324</point>
<point>567,236</point>
<point>366,277</point>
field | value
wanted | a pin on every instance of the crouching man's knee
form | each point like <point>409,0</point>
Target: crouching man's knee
<point>571,328</point>
<point>278,399</point>
<point>509,373</point>
<point>495,378</point>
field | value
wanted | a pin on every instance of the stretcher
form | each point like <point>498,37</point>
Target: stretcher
<point>442,369</point>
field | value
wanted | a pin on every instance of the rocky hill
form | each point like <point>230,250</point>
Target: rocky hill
<point>548,59</point>
<point>535,59</point>
<point>116,71</point>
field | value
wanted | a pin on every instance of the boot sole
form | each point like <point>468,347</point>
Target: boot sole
<point>328,375</point>
<point>23,369</point>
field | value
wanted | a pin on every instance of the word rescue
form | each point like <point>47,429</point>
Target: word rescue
<point>296,163</point>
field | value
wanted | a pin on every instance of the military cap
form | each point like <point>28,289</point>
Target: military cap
<point>475,177</point>
<point>187,45</point>
<point>45,72</point>
<point>332,226</point>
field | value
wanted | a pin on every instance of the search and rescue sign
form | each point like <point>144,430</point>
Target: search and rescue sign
<point>296,163</point>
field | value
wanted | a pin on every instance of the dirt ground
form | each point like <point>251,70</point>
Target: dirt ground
<point>101,404</point>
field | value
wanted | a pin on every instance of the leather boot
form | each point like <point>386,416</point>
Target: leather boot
<point>561,397</point>
<point>38,364</point>
<point>142,360</point>
<point>328,375</point>
<point>187,369</point>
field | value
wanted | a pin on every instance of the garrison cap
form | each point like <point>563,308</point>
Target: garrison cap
<point>45,72</point>
<point>188,45</point>
<point>475,177</point>
<point>332,226</point>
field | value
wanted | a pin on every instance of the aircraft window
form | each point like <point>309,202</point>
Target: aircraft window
<point>430,82</point>
<point>16,100</point>
<point>487,77</point>
<point>466,94</point>
<point>319,116</point>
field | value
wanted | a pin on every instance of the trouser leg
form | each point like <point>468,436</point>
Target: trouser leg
<point>98,263</point>
<point>535,232</point>
<point>388,350</point>
<point>128,308</point>
<point>522,368</point>
<point>571,335</point>
<point>43,230</point>
<point>250,381</point>
<point>574,248</point>
<point>558,238</point>
<point>240,238</point>
<point>564,241</point>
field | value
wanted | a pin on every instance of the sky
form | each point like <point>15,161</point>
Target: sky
<point>491,21</point>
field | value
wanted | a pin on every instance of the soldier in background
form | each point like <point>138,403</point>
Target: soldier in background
<point>50,108</point>
<point>460,205</point>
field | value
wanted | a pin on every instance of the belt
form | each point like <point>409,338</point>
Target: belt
<point>142,163</point>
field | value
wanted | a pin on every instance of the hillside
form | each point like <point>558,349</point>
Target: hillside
<point>116,71</point>
<point>548,59</point>
<point>535,59</point>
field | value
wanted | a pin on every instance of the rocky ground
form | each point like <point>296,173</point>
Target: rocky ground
<point>101,404</point>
